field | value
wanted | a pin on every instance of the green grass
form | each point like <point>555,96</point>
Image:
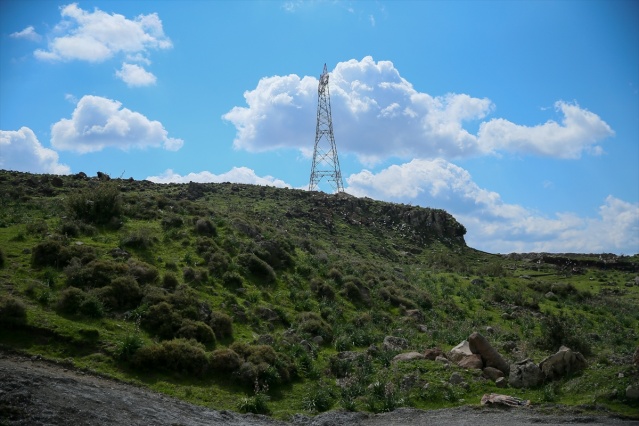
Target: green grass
<point>346,268</point>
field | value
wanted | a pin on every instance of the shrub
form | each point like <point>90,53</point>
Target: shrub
<point>313,324</point>
<point>177,355</point>
<point>170,281</point>
<point>46,253</point>
<point>70,300</point>
<point>140,238</point>
<point>219,263</point>
<point>162,320</point>
<point>143,272</point>
<point>172,221</point>
<point>92,307</point>
<point>195,276</point>
<point>196,330</point>
<point>257,267</point>
<point>257,404</point>
<point>12,311</point>
<point>123,293</point>
<point>221,324</point>
<point>225,360</point>
<point>232,280</point>
<point>205,227</point>
<point>128,346</point>
<point>319,399</point>
<point>101,205</point>
<point>557,330</point>
<point>97,273</point>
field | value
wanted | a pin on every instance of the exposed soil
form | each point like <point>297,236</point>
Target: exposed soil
<point>36,392</point>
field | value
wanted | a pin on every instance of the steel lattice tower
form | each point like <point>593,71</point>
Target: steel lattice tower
<point>325,161</point>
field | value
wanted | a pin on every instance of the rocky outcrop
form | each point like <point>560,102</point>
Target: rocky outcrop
<point>565,361</point>
<point>525,374</point>
<point>479,345</point>
<point>392,343</point>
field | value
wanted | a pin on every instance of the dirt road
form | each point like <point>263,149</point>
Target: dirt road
<point>34,392</point>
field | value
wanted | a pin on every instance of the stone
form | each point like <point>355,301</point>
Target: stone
<point>442,359</point>
<point>501,382</point>
<point>490,330</point>
<point>318,340</point>
<point>433,353</point>
<point>632,392</point>
<point>408,356</point>
<point>459,351</point>
<point>479,345</point>
<point>392,343</point>
<point>550,295</point>
<point>492,373</point>
<point>473,361</point>
<point>416,314</point>
<point>565,361</point>
<point>422,328</point>
<point>525,374</point>
<point>265,339</point>
<point>455,379</point>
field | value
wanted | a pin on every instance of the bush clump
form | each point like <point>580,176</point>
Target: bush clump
<point>12,311</point>
<point>101,205</point>
<point>123,293</point>
<point>257,267</point>
<point>73,301</point>
<point>205,227</point>
<point>312,324</point>
<point>196,330</point>
<point>162,320</point>
<point>222,325</point>
<point>95,274</point>
<point>177,355</point>
<point>225,360</point>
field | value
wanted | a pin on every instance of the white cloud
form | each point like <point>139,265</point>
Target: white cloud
<point>579,131</point>
<point>28,33</point>
<point>377,114</point>
<point>494,225</point>
<point>97,36</point>
<point>21,151</point>
<point>235,175</point>
<point>135,75</point>
<point>98,123</point>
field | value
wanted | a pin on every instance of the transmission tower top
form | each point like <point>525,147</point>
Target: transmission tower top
<point>325,160</point>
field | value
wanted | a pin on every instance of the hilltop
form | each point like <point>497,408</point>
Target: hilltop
<point>281,301</point>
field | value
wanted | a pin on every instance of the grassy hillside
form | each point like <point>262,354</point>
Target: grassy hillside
<point>273,300</point>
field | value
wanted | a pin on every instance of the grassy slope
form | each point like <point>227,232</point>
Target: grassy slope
<point>358,264</point>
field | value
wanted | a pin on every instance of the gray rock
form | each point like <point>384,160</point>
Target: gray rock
<point>479,345</point>
<point>416,314</point>
<point>408,356</point>
<point>459,351</point>
<point>501,382</point>
<point>318,340</point>
<point>632,392</point>
<point>565,361</point>
<point>525,374</point>
<point>473,361</point>
<point>442,359</point>
<point>492,373</point>
<point>392,343</point>
<point>433,353</point>
<point>455,379</point>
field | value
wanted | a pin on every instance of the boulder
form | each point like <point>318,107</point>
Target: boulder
<point>525,374</point>
<point>392,343</point>
<point>415,314</point>
<point>408,356</point>
<point>433,353</point>
<point>565,361</point>
<point>473,361</point>
<point>479,345</point>
<point>442,359</point>
<point>492,373</point>
<point>455,379</point>
<point>632,392</point>
<point>459,351</point>
<point>501,382</point>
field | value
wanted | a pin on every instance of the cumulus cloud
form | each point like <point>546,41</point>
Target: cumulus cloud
<point>235,175</point>
<point>98,123</point>
<point>21,151</point>
<point>378,114</point>
<point>579,131</point>
<point>494,225</point>
<point>97,36</point>
<point>135,75</point>
<point>28,33</point>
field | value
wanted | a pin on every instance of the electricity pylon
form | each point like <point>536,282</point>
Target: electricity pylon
<point>325,161</point>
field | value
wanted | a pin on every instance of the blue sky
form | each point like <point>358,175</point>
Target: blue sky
<point>521,118</point>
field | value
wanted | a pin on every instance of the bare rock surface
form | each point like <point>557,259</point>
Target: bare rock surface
<point>479,345</point>
<point>35,392</point>
<point>563,362</point>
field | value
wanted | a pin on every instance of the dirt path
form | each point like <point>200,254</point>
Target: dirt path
<point>42,393</point>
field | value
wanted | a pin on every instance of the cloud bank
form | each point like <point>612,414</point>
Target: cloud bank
<point>377,114</point>
<point>21,151</point>
<point>494,225</point>
<point>98,123</point>
<point>235,175</point>
<point>98,36</point>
